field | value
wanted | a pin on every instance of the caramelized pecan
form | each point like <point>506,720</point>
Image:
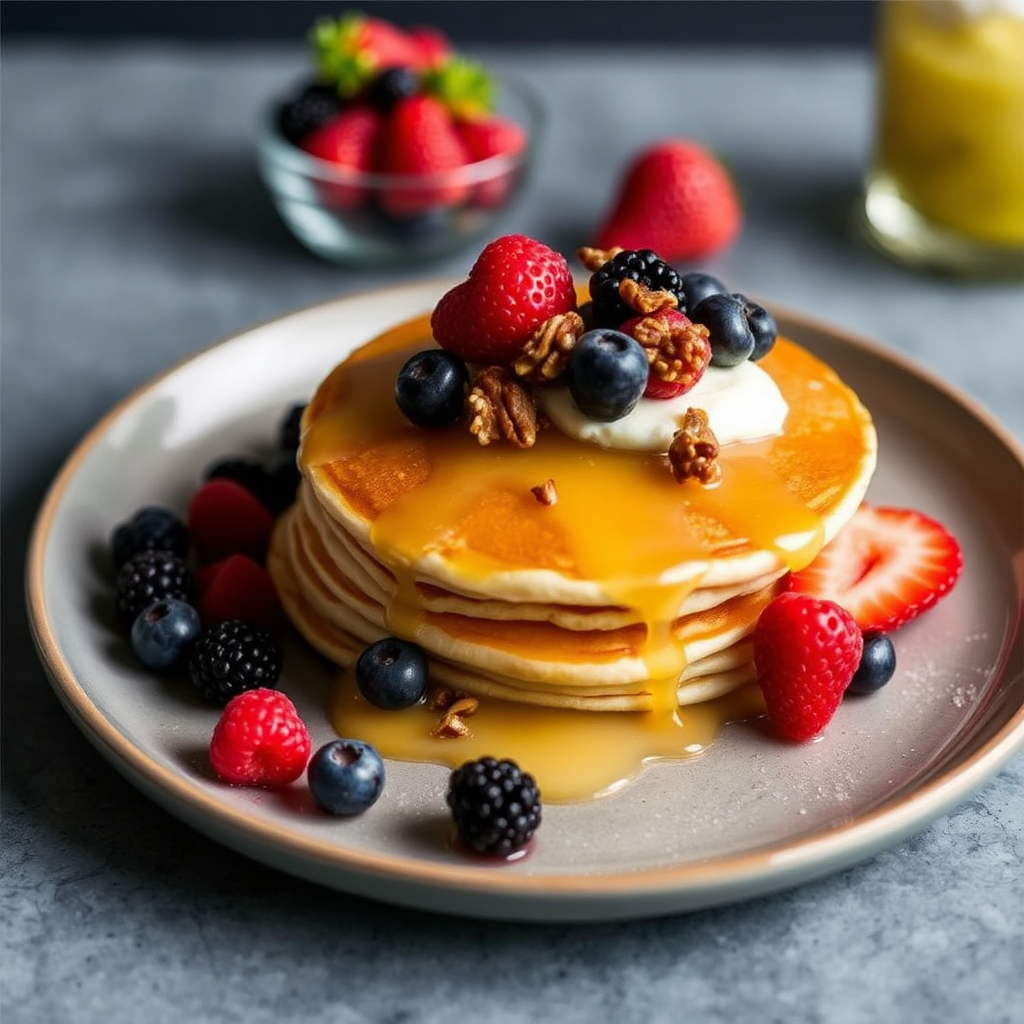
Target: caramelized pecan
<point>593,259</point>
<point>677,352</point>
<point>645,300</point>
<point>546,355</point>
<point>693,454</point>
<point>545,493</point>
<point>502,409</point>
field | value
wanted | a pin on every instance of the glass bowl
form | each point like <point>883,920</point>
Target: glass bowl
<point>378,219</point>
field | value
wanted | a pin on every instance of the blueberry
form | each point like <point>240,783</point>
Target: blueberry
<point>698,286</point>
<point>762,326</point>
<point>163,634</point>
<point>431,388</point>
<point>390,86</point>
<point>392,674</point>
<point>289,430</point>
<point>346,776</point>
<point>282,481</point>
<point>877,664</point>
<point>150,529</point>
<point>607,374</point>
<point>732,341</point>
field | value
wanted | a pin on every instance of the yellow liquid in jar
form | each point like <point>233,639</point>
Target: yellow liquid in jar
<point>951,118</point>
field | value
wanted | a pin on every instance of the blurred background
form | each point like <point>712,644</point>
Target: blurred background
<point>725,23</point>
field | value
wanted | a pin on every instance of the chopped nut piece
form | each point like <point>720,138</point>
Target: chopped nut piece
<point>677,352</point>
<point>441,697</point>
<point>593,259</point>
<point>546,355</point>
<point>452,725</point>
<point>693,453</point>
<point>643,299</point>
<point>502,409</point>
<point>545,493</point>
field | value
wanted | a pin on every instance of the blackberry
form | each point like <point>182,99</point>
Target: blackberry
<point>307,111</point>
<point>641,265</point>
<point>283,478</point>
<point>151,576</point>
<point>495,804</point>
<point>150,528</point>
<point>289,431</point>
<point>232,657</point>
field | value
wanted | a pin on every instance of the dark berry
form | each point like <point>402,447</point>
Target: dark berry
<point>150,529</point>
<point>390,86</point>
<point>308,111</point>
<point>431,388</point>
<point>249,473</point>
<point>232,657</point>
<point>163,634</point>
<point>346,776</point>
<point>392,674</point>
<point>762,326</point>
<point>607,374</point>
<point>495,804</point>
<point>640,265</point>
<point>698,286</point>
<point>289,433</point>
<point>877,664</point>
<point>732,340</point>
<point>283,478</point>
<point>151,576</point>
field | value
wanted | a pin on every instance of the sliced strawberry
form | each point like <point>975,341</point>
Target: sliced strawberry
<point>347,141</point>
<point>885,567</point>
<point>418,139</point>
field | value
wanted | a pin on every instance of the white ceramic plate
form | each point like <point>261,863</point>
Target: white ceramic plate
<point>751,816</point>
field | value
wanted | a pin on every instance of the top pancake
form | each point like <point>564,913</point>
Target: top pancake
<point>436,507</point>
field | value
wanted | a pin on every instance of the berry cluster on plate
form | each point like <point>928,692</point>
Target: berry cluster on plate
<point>402,105</point>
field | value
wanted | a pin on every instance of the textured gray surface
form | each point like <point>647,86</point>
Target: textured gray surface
<point>135,232</point>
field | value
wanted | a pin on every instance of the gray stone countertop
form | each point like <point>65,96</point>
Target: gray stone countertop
<point>135,232</point>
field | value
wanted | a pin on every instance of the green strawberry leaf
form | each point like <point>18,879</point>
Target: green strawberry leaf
<point>463,86</point>
<point>339,55</point>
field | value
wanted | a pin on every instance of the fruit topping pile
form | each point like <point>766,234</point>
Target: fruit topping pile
<point>828,634</point>
<point>514,327</point>
<point>386,101</point>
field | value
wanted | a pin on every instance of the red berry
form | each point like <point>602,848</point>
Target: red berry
<point>691,352</point>
<point>675,199</point>
<point>515,285</point>
<point>806,651</point>
<point>488,137</point>
<point>419,138</point>
<point>260,740</point>
<point>346,141</point>
<point>226,519</point>
<point>885,567</point>
<point>237,587</point>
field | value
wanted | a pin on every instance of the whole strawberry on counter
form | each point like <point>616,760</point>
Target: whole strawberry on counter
<point>676,199</point>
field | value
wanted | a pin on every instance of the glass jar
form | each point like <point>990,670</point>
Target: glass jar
<point>946,189</point>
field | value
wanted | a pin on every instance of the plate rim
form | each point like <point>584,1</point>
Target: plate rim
<point>554,896</point>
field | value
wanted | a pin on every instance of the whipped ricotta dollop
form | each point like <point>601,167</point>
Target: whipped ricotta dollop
<point>742,403</point>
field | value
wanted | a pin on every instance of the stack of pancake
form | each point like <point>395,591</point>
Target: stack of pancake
<point>630,592</point>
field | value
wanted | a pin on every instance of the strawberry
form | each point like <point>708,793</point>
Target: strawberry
<point>679,351</point>
<point>347,141</point>
<point>432,44</point>
<point>675,199</point>
<point>419,138</point>
<point>885,567</point>
<point>349,51</point>
<point>806,651</point>
<point>515,285</point>
<point>485,137</point>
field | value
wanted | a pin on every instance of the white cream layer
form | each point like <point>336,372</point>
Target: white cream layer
<point>742,403</point>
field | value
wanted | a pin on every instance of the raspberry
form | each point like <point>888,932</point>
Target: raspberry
<point>226,519</point>
<point>232,657</point>
<point>151,576</point>
<point>495,804</point>
<point>238,587</point>
<point>806,652</point>
<point>260,740</point>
